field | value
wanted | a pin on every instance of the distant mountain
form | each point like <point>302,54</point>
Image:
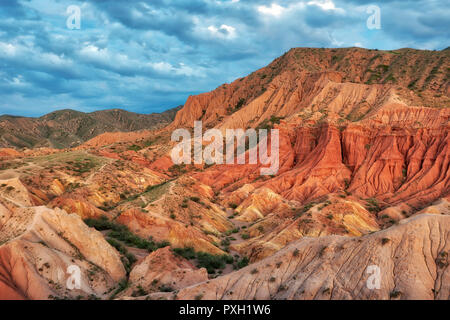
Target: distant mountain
<point>70,128</point>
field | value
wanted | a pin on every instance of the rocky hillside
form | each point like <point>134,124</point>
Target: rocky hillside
<point>412,257</point>
<point>364,180</point>
<point>69,128</point>
<point>350,83</point>
<point>38,245</point>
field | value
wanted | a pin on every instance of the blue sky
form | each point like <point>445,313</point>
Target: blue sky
<point>148,56</point>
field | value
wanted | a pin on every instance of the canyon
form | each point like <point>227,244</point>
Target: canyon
<point>363,181</point>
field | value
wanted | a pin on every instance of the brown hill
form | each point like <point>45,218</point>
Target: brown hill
<point>69,128</point>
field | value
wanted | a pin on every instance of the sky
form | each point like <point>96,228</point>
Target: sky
<point>150,55</point>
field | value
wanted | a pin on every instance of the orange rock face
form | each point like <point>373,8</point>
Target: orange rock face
<point>371,159</point>
<point>9,153</point>
<point>79,206</point>
<point>163,269</point>
<point>161,228</point>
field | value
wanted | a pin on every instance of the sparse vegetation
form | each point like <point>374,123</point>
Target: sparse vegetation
<point>187,253</point>
<point>372,205</point>
<point>199,297</point>
<point>123,284</point>
<point>233,205</point>
<point>165,288</point>
<point>442,260</point>
<point>123,234</point>
<point>134,148</point>
<point>127,258</point>
<point>245,236</point>
<point>139,292</point>
<point>210,262</point>
<point>241,263</point>
<point>213,262</point>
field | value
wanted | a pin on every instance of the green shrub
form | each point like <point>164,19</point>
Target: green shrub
<point>372,205</point>
<point>212,262</point>
<point>243,262</point>
<point>205,260</point>
<point>123,284</point>
<point>240,104</point>
<point>122,233</point>
<point>165,288</point>
<point>187,253</point>
<point>127,258</point>
<point>139,292</point>
<point>233,205</point>
<point>134,148</point>
<point>395,294</point>
<point>199,297</point>
<point>275,120</point>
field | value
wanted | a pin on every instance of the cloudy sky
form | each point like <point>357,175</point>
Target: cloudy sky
<point>150,55</point>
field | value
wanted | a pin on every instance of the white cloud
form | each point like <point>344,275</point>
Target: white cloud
<point>223,31</point>
<point>7,49</point>
<point>182,69</point>
<point>274,10</point>
<point>325,5</point>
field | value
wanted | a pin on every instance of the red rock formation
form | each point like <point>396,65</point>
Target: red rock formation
<point>163,269</point>
<point>394,164</point>
<point>9,153</point>
<point>77,205</point>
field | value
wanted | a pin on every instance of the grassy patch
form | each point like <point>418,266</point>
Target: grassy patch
<point>77,160</point>
<point>123,234</point>
<point>210,262</point>
<point>153,193</point>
